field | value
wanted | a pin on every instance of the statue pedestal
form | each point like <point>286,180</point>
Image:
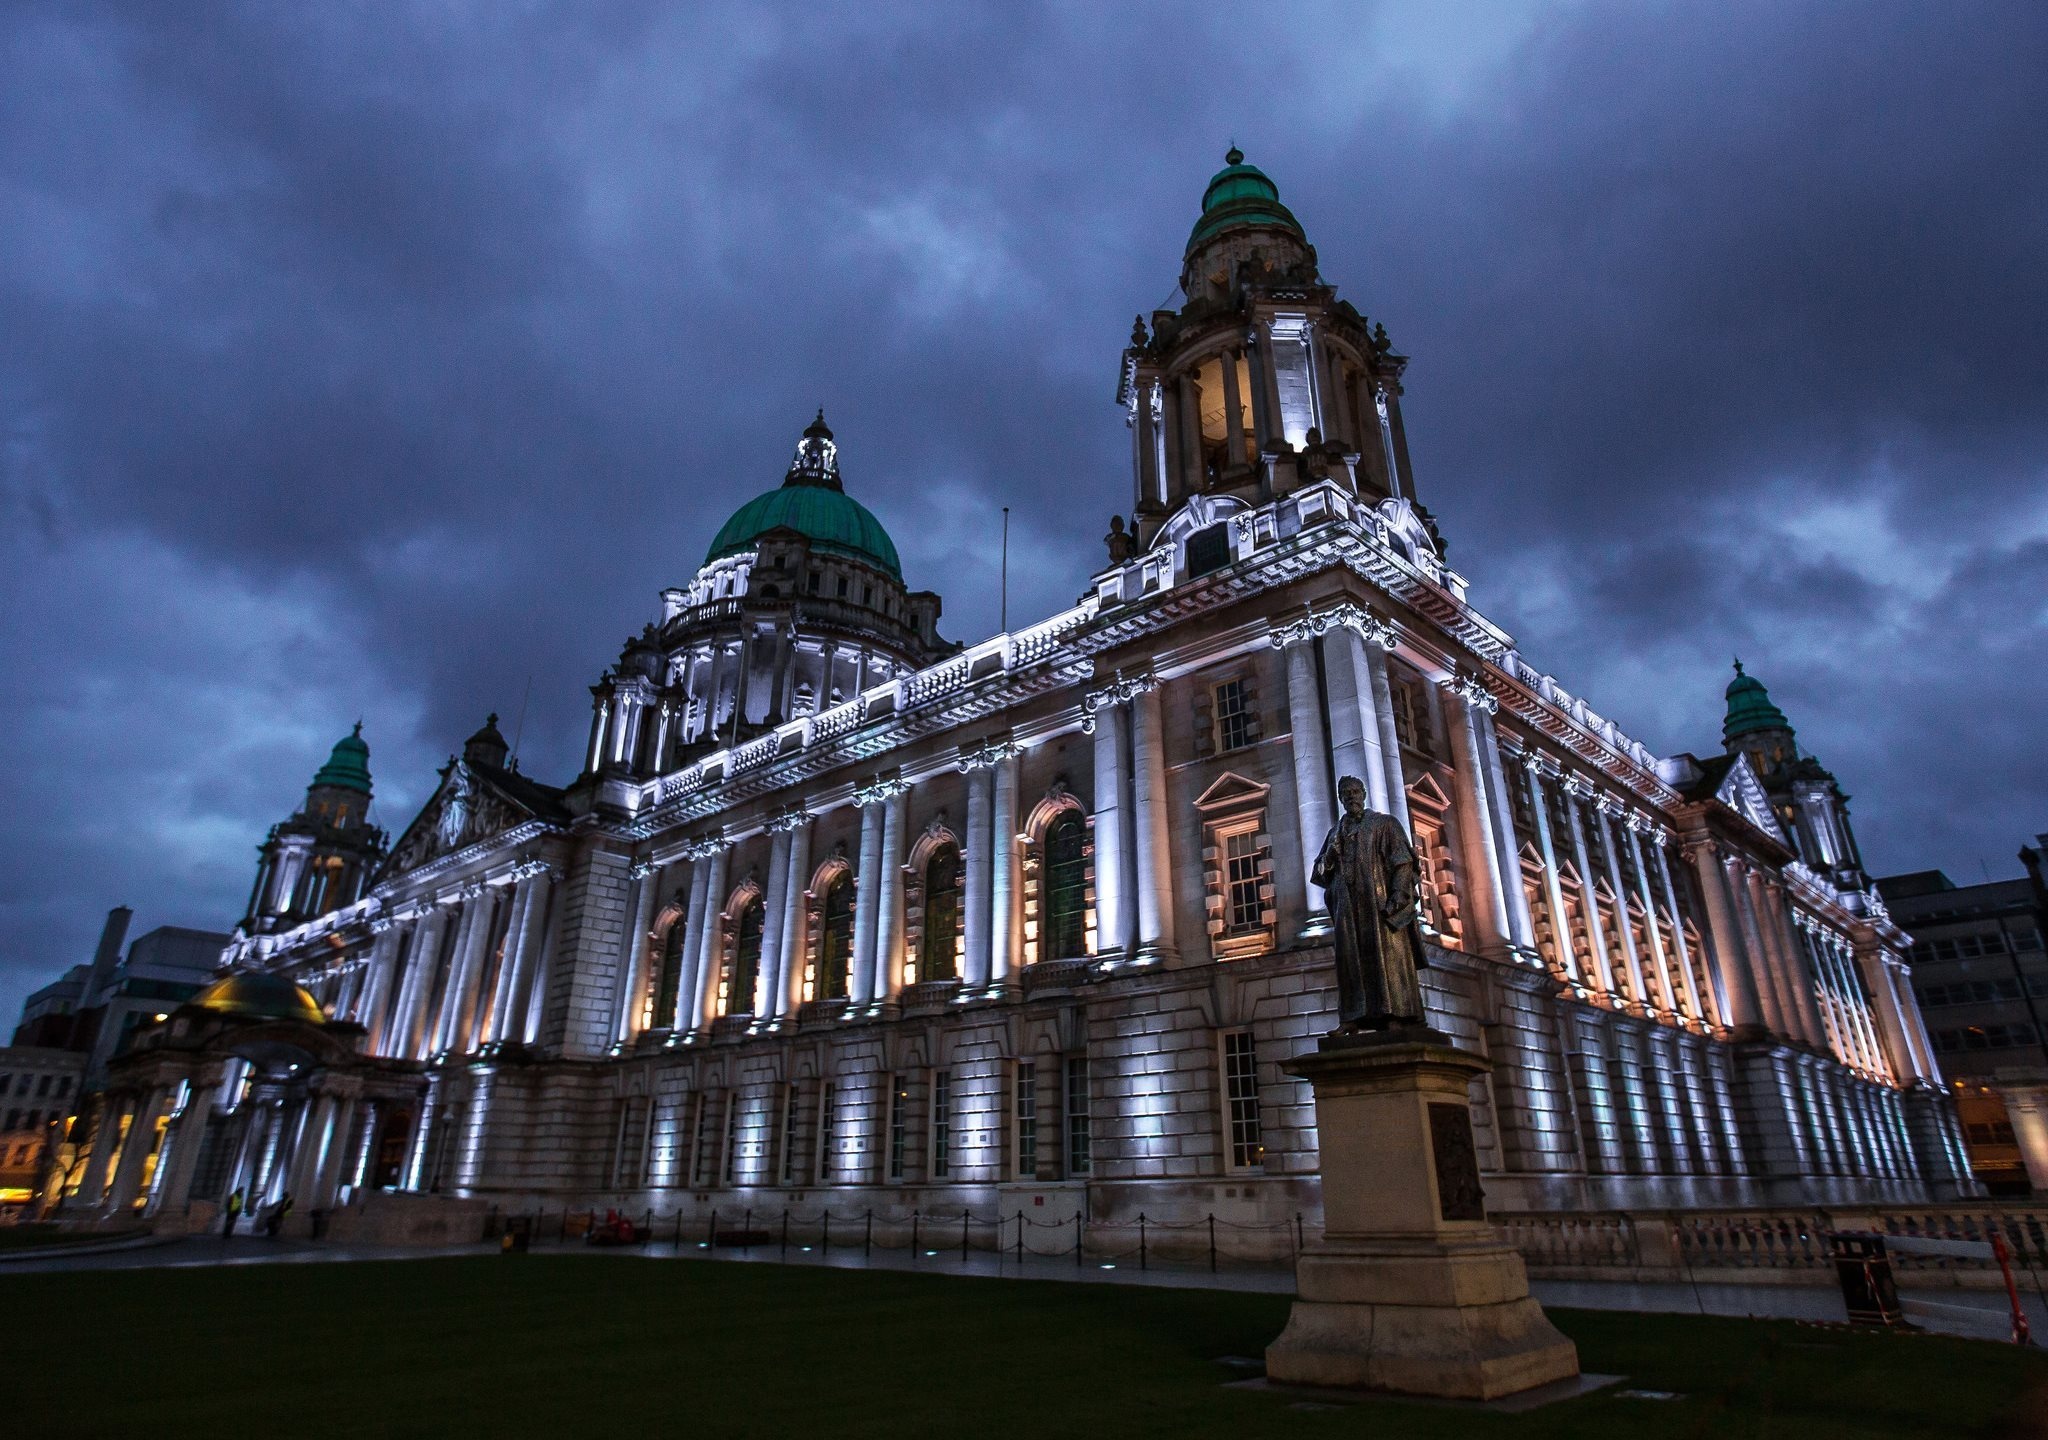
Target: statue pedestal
<point>1410,1290</point>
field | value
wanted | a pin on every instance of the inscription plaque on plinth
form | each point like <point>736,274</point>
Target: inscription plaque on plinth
<point>1410,1290</point>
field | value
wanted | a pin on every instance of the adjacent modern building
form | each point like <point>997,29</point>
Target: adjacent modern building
<point>839,912</point>
<point>1981,977</point>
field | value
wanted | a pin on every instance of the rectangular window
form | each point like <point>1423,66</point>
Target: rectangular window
<point>1235,727</point>
<point>1246,906</point>
<point>629,1143</point>
<point>43,1086</point>
<point>732,1135</point>
<point>828,1131</point>
<point>1027,1120</point>
<point>942,1124</point>
<point>1080,1154</point>
<point>702,1160</point>
<point>1241,1100</point>
<point>899,1106</point>
<point>791,1099</point>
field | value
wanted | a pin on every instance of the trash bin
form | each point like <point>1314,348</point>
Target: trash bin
<point>1865,1271</point>
<point>518,1235</point>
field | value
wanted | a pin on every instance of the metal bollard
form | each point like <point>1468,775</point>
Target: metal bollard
<point>1141,1242</point>
<point>1077,1239</point>
<point>867,1240</point>
<point>913,1234</point>
<point>711,1229</point>
<point>1020,1238</point>
<point>963,1237</point>
<point>1212,1242</point>
<point>785,1230</point>
<point>825,1232</point>
<point>747,1230</point>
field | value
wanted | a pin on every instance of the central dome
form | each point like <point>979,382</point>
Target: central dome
<point>811,502</point>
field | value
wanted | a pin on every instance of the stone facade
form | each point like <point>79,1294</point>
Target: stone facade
<point>840,913</point>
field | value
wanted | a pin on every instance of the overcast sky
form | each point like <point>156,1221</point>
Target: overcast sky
<point>387,360</point>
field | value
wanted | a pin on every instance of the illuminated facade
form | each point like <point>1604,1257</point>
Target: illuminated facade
<point>837,906</point>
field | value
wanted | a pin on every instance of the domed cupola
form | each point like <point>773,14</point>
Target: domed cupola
<point>321,858</point>
<point>799,606</point>
<point>813,503</point>
<point>1750,711</point>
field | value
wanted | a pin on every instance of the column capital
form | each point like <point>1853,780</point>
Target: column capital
<point>985,754</point>
<point>788,820</point>
<point>1118,691</point>
<point>641,869</point>
<point>1470,689</point>
<point>529,869</point>
<point>879,790</point>
<point>1579,787</point>
<point>703,847</point>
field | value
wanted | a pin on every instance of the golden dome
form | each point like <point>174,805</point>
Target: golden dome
<point>260,996</point>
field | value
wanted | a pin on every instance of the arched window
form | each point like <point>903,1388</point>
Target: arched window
<point>670,977</point>
<point>941,916</point>
<point>746,961</point>
<point>1066,887</point>
<point>835,939</point>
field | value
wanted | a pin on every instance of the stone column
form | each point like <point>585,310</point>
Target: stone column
<point>442,1021</point>
<point>1793,1022</point>
<point>1737,997</point>
<point>1797,971</point>
<point>710,946</point>
<point>315,1135</point>
<point>1576,792</point>
<point>1659,961</point>
<point>410,1036</point>
<point>373,999</point>
<point>1390,736</point>
<point>1908,1062</point>
<point>1857,999</point>
<point>525,892</point>
<point>1312,800</point>
<point>1145,439</point>
<point>1355,740</point>
<point>688,1014</point>
<point>1258,364</point>
<point>974,860</point>
<point>633,949</point>
<point>1148,815</point>
<point>136,1151</point>
<point>1482,885</point>
<point>1521,925</point>
<point>106,1144</point>
<point>1006,894</point>
<point>867,900</point>
<point>530,960</point>
<point>889,915</point>
<point>1112,900</point>
<point>325,1185</point>
<point>1269,379</point>
<point>775,912</point>
<point>469,980</point>
<point>1233,412</point>
<point>1639,994</point>
<point>1553,889</point>
<point>175,1171</point>
<point>1703,996</point>
<point>1191,473</point>
<point>794,889</point>
<point>1763,972</point>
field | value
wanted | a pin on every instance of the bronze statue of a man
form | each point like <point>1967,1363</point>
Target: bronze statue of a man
<point>1367,871</point>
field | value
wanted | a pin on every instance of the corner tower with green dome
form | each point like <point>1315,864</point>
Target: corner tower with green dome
<point>322,857</point>
<point>1805,795</point>
<point>1263,381</point>
<point>799,605</point>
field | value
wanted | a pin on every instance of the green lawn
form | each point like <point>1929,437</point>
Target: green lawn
<point>609,1346</point>
<point>35,1235</point>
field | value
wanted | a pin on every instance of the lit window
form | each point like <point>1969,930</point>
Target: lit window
<point>941,915</point>
<point>1080,1145</point>
<point>942,1124</point>
<point>1027,1120</point>
<point>899,1119</point>
<point>1245,906</point>
<point>1066,887</point>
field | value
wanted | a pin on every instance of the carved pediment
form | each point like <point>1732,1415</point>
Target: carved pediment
<point>1232,791</point>
<point>464,810</point>
<point>1742,792</point>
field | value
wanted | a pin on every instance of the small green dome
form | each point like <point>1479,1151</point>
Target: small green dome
<point>1241,195</point>
<point>348,768</point>
<point>1750,708</point>
<point>260,996</point>
<point>811,502</point>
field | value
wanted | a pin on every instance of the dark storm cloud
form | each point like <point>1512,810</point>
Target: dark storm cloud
<point>382,360</point>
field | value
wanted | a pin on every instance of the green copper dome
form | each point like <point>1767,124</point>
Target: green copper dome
<point>348,768</point>
<point>1240,195</point>
<point>812,503</point>
<point>1750,708</point>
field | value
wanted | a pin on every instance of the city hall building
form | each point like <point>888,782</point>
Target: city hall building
<point>840,912</point>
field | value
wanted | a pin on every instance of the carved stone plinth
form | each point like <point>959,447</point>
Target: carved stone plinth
<point>1410,1290</point>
